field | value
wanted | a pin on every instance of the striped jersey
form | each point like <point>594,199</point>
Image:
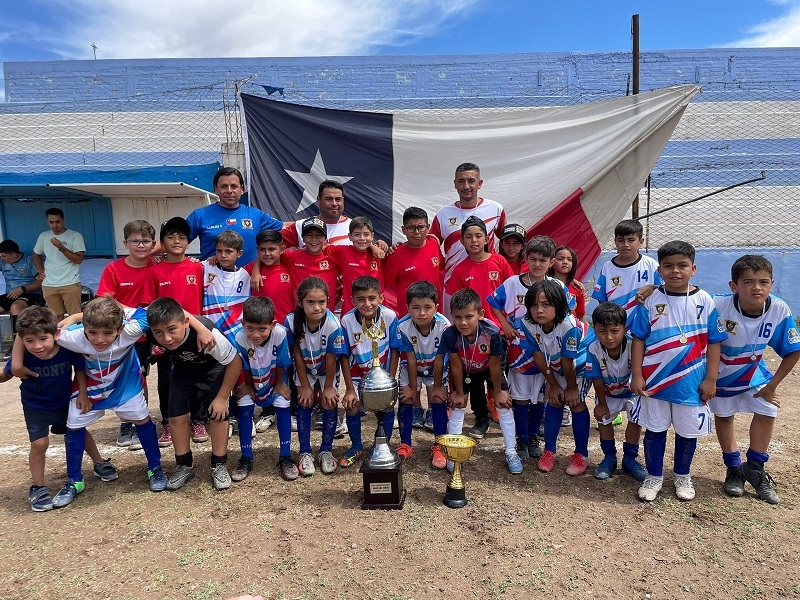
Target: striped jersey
<point>359,346</point>
<point>614,372</point>
<point>263,359</point>
<point>327,339</point>
<point>568,339</point>
<point>224,295</point>
<point>619,284</point>
<point>424,347</point>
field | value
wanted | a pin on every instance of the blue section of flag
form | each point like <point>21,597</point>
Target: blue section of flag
<point>285,137</point>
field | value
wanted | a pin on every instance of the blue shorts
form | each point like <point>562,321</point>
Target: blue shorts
<point>41,423</point>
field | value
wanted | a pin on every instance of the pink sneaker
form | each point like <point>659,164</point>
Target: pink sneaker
<point>199,433</point>
<point>577,464</point>
<point>166,437</point>
<point>404,451</point>
<point>547,461</point>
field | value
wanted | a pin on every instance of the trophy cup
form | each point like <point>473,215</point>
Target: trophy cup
<point>381,469</point>
<point>457,448</point>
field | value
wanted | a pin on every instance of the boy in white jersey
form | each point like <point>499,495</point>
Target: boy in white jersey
<point>226,286</point>
<point>674,364</point>
<point>754,320</point>
<point>421,334</point>
<point>608,366</point>
<point>264,349</point>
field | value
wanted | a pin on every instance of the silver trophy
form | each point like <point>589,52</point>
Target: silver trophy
<point>378,392</point>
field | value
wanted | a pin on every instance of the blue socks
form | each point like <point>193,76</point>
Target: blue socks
<point>388,422</point>
<point>609,448</point>
<point>405,414</point>
<point>304,427</point>
<point>283,420</point>
<point>580,431</point>
<point>439,416</point>
<point>732,459</point>
<point>74,445</point>
<point>354,431</point>
<point>535,416</point>
<point>149,439</point>
<point>246,430</point>
<point>655,444</point>
<point>552,426</point>
<point>757,458</point>
<point>684,453</point>
<point>330,418</point>
<point>521,423</point>
<point>630,450</point>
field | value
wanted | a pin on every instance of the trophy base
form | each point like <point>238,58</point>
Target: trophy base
<point>455,497</point>
<point>383,488</point>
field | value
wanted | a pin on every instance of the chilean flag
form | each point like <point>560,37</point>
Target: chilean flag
<point>567,172</point>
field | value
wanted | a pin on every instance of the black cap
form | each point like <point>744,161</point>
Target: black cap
<point>473,221</point>
<point>314,223</point>
<point>175,224</point>
<point>513,229</point>
<point>9,246</point>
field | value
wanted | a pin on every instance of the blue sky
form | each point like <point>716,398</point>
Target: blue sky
<point>65,29</point>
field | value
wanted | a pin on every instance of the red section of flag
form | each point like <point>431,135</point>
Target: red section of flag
<point>568,225</point>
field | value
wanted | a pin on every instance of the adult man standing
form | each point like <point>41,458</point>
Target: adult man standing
<point>447,222</point>
<point>57,254</point>
<point>208,222</point>
<point>330,202</point>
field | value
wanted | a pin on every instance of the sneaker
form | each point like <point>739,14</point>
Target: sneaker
<point>135,443</point>
<point>243,468</point>
<point>341,430</point>
<point>232,427</point>
<point>632,467</point>
<point>684,488</point>
<point>288,469</point>
<point>522,451</point>
<point>350,458</point>
<point>124,435</point>
<point>158,479</point>
<point>617,420</point>
<point>535,447</point>
<point>734,482</point>
<point>166,437</point>
<point>294,423</point>
<point>577,464</point>
<point>540,434</point>
<point>264,423</point>
<point>199,432</point>
<point>761,481</point>
<point>419,415</point>
<point>427,422</point>
<point>606,468</point>
<point>327,464</point>
<point>479,429</point>
<point>180,476</point>
<point>220,477</point>
<point>514,463</point>
<point>547,461</point>
<point>650,488</point>
<point>105,471</point>
<point>566,417</point>
<point>438,461</point>
<point>404,451</point>
<point>306,466</point>
<point>68,493</point>
<point>317,419</point>
<point>40,498</point>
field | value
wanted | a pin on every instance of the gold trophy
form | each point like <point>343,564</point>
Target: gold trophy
<point>381,469</point>
<point>457,448</point>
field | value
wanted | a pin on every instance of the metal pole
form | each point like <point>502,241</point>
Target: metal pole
<point>635,59</point>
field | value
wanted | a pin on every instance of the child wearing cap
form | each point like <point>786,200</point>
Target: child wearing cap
<point>311,260</point>
<point>512,247</point>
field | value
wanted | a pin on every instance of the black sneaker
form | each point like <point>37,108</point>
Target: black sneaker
<point>734,482</point>
<point>479,429</point>
<point>40,499</point>
<point>761,481</point>
<point>535,449</point>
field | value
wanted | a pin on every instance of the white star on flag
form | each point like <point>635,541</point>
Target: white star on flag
<point>310,181</point>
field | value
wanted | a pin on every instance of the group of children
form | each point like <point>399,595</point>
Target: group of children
<point>519,346</point>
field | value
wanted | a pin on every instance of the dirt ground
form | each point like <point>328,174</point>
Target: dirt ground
<point>535,534</point>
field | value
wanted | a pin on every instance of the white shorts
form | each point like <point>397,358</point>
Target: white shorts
<point>275,400</point>
<point>657,415</point>
<point>617,405</point>
<point>526,388</point>
<point>746,402</point>
<point>317,381</point>
<point>134,409</point>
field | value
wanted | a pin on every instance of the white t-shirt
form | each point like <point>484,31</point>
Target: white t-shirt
<point>59,270</point>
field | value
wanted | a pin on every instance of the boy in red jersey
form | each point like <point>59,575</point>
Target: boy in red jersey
<point>419,259</point>
<point>181,278</point>
<point>358,260</point>
<point>311,261</point>
<point>276,281</point>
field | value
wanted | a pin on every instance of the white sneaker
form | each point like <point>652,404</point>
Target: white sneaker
<point>135,444</point>
<point>650,488</point>
<point>264,423</point>
<point>684,488</point>
<point>294,423</point>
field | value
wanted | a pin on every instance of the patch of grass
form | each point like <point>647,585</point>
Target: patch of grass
<point>194,556</point>
<point>283,565</point>
<point>206,591</point>
<point>267,526</point>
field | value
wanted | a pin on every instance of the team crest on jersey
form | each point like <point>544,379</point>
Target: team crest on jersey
<point>452,221</point>
<point>603,364</point>
<point>661,310</point>
<point>357,338</point>
<point>373,265</point>
<point>520,299</point>
<point>191,279</point>
<point>211,277</point>
<point>794,337</point>
<point>435,261</point>
<point>247,223</point>
<point>616,281</point>
<point>413,339</point>
<point>494,275</point>
<point>284,277</point>
<point>251,352</point>
<point>323,264</point>
<point>730,326</point>
<point>483,348</point>
<point>572,344</point>
<point>538,338</point>
<point>720,326</point>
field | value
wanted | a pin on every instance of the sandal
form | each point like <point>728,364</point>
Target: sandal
<point>349,459</point>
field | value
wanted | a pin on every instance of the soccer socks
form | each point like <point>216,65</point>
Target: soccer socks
<point>283,421</point>
<point>304,427</point>
<point>757,458</point>
<point>552,426</point>
<point>75,444</point>
<point>684,453</point>
<point>354,430</point>
<point>456,422</point>
<point>521,422</point>
<point>609,448</point>
<point>330,418</point>
<point>149,439</point>
<point>405,414</point>
<point>580,431</point>
<point>506,418</point>
<point>732,459</point>
<point>631,450</point>
<point>439,416</point>
<point>655,443</point>
<point>535,416</point>
<point>246,429</point>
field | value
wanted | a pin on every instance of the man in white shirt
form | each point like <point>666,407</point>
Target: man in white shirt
<point>57,254</point>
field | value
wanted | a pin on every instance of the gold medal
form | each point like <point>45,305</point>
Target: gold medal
<point>682,339</point>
